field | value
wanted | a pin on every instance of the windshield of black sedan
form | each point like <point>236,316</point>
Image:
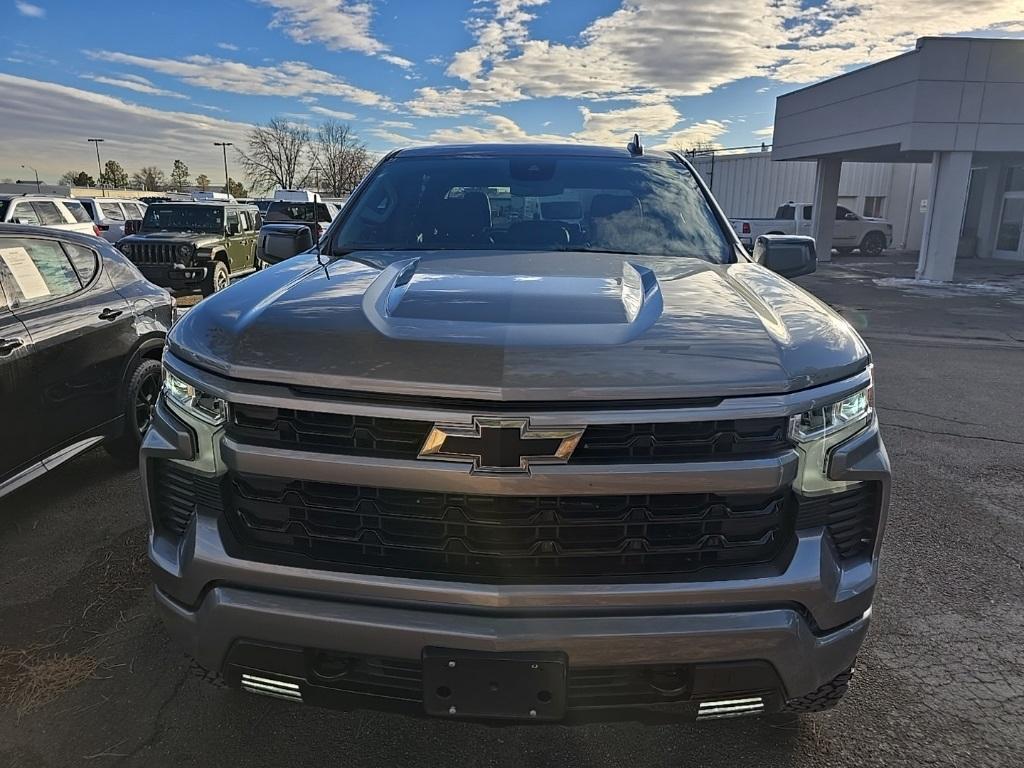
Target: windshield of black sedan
<point>638,205</point>
<point>184,218</point>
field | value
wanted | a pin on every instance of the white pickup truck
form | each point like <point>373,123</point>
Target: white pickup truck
<point>870,235</point>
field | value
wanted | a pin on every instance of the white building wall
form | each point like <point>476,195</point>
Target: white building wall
<point>753,185</point>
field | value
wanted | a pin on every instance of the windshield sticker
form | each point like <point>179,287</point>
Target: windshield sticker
<point>25,272</point>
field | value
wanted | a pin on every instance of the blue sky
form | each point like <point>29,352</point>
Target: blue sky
<point>164,80</point>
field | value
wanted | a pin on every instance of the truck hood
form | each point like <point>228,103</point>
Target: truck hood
<point>198,239</point>
<point>521,326</point>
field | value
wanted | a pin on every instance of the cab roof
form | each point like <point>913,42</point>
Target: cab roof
<point>525,149</point>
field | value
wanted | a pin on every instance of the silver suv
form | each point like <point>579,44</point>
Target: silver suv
<point>533,438</point>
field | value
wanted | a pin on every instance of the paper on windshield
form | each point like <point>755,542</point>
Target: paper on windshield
<point>25,272</point>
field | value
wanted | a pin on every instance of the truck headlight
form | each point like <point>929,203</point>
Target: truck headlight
<point>841,417</point>
<point>817,431</point>
<point>194,401</point>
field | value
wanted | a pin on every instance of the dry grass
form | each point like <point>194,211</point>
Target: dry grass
<point>33,677</point>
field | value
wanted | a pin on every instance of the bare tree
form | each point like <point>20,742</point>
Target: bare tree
<point>342,159</point>
<point>278,155</point>
<point>150,178</point>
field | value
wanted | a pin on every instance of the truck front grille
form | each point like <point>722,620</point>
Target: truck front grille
<point>601,443</point>
<point>152,253</point>
<point>497,538</point>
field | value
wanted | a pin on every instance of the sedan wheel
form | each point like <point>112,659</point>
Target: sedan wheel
<point>145,401</point>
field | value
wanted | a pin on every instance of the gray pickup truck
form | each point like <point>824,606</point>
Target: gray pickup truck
<point>530,437</point>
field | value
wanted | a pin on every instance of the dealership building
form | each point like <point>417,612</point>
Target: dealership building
<point>933,140</point>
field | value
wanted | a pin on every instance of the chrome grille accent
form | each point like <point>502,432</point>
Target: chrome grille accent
<point>266,686</point>
<point>717,710</point>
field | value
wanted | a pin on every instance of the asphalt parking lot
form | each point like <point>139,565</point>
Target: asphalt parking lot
<point>88,676</point>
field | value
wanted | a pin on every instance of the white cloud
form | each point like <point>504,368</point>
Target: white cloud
<point>30,10</point>
<point>391,139</point>
<point>764,89</point>
<point>768,130</point>
<point>495,128</point>
<point>340,25</point>
<point>653,51</point>
<point>287,78</point>
<point>135,83</point>
<point>396,124</point>
<point>618,125</point>
<point>39,114</point>
<point>333,113</point>
<point>398,61</point>
<point>704,133</point>
<point>227,46</point>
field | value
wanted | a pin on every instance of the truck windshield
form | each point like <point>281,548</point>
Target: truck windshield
<point>184,218</point>
<point>645,205</point>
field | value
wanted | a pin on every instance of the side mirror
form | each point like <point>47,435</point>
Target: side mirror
<point>132,226</point>
<point>851,217</point>
<point>232,230</point>
<point>278,242</point>
<point>787,255</point>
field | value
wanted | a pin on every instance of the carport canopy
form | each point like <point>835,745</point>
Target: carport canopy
<point>957,103</point>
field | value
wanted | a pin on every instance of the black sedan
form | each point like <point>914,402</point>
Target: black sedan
<point>81,336</point>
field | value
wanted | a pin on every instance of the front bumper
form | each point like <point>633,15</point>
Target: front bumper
<point>805,622</point>
<point>177,278</point>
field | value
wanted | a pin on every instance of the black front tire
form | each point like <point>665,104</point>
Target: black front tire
<point>873,244</point>
<point>137,406</point>
<point>825,697</point>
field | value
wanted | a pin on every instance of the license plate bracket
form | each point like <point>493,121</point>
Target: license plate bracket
<point>509,686</point>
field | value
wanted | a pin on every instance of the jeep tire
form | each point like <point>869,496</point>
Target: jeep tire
<point>218,279</point>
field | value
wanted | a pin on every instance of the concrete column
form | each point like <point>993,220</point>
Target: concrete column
<point>951,174</point>
<point>826,195</point>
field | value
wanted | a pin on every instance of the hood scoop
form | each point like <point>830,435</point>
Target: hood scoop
<point>513,309</point>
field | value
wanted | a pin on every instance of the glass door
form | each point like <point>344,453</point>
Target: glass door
<point>1009,239</point>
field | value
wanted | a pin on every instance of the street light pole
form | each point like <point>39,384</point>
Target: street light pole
<point>227,179</point>
<point>99,165</point>
<point>37,176</point>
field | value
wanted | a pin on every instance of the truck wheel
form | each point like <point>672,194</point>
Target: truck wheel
<point>218,280</point>
<point>138,407</point>
<point>873,244</point>
<point>825,697</point>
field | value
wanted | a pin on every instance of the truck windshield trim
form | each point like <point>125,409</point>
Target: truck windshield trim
<point>539,203</point>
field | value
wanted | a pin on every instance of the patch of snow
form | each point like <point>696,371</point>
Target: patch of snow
<point>937,289</point>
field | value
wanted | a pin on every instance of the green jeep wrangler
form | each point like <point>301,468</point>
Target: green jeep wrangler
<point>195,247</point>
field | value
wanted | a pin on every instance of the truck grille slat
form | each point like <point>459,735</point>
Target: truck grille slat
<point>601,443</point>
<point>500,538</point>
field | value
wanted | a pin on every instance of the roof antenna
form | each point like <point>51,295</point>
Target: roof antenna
<point>316,238</point>
<point>635,147</point>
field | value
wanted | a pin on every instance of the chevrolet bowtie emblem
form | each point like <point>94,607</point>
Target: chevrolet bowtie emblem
<point>501,445</point>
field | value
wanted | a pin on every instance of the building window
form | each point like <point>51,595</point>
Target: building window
<point>1015,179</point>
<point>874,207</point>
